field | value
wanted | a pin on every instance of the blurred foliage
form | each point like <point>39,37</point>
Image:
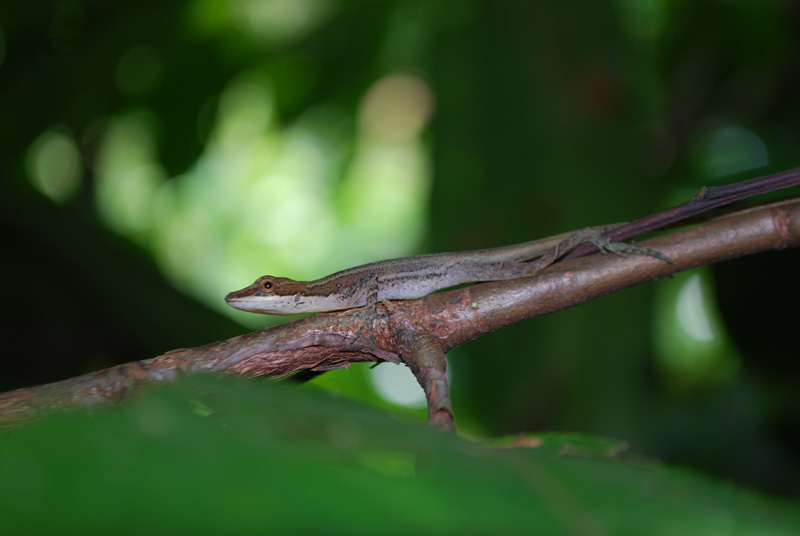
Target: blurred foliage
<point>157,155</point>
<point>227,455</point>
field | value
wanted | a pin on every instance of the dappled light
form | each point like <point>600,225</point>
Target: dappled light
<point>235,214</point>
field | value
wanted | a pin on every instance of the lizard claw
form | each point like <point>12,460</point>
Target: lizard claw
<point>368,319</point>
<point>370,312</point>
<point>623,249</point>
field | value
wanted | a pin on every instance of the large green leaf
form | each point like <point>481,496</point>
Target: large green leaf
<point>228,455</point>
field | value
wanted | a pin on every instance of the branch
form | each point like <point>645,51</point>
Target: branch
<point>419,332</point>
<point>772,226</point>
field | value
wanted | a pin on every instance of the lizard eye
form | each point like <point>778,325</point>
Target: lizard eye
<point>267,285</point>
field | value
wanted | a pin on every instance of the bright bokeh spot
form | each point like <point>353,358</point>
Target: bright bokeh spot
<point>128,174</point>
<point>692,312</point>
<point>54,164</point>
<point>734,149</point>
<point>279,20</point>
<point>397,385</point>
<point>396,107</point>
<point>389,179</point>
<point>691,347</point>
<point>272,22</point>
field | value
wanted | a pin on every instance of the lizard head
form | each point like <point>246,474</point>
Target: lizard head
<point>273,296</point>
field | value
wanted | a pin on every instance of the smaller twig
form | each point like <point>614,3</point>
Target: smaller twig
<point>706,199</point>
<point>423,354</point>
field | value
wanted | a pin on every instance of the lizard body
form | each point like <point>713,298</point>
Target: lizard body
<point>414,277</point>
<point>397,279</point>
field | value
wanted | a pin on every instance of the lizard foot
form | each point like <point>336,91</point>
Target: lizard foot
<point>595,236</point>
<point>368,317</point>
<point>623,249</point>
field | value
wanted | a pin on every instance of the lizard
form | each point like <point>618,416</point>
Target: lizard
<point>415,277</point>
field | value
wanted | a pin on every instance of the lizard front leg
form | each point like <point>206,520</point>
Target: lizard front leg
<point>369,314</point>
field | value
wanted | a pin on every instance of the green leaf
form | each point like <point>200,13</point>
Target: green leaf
<point>229,455</point>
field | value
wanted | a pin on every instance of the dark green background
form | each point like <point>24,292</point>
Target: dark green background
<point>550,116</point>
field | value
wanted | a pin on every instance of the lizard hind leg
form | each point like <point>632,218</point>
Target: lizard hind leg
<point>595,236</point>
<point>623,249</point>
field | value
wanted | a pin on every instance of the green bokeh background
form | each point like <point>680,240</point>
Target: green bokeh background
<point>546,116</point>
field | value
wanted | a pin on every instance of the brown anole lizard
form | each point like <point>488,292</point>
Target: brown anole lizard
<point>415,277</point>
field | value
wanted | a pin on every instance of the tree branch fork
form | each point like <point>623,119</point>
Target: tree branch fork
<point>420,332</point>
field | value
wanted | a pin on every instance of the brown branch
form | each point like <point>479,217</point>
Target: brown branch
<point>772,226</point>
<point>419,332</point>
<point>424,356</point>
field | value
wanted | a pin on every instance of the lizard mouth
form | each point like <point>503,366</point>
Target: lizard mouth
<point>255,304</point>
<point>244,303</point>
